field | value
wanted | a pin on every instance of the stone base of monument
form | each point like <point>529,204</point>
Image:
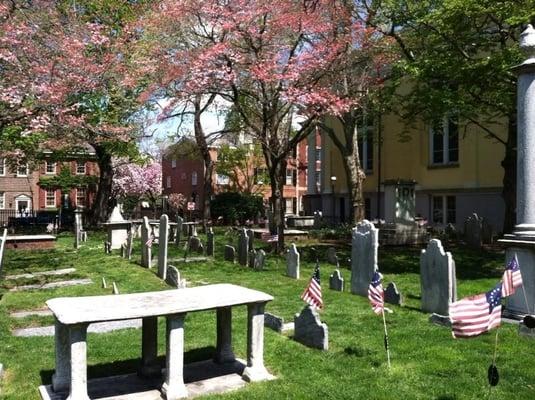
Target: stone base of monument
<point>201,378</point>
<point>442,320</point>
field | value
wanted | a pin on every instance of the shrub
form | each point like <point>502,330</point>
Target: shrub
<point>233,206</point>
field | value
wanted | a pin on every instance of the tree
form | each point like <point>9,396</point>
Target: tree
<point>269,58</point>
<point>457,55</point>
<point>133,182</point>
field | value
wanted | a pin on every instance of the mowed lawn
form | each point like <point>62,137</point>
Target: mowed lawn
<point>427,363</point>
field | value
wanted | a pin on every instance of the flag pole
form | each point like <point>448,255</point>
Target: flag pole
<point>493,365</point>
<point>386,338</point>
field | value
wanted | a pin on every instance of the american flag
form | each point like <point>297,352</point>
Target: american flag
<point>376,293</point>
<point>512,278</point>
<point>269,238</point>
<point>476,314</point>
<point>149,242</point>
<point>312,294</point>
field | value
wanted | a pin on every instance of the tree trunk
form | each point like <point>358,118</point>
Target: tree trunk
<point>509,177</point>
<point>101,205</point>
<point>277,174</point>
<point>355,178</point>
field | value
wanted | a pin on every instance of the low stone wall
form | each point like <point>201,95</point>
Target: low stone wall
<point>31,242</point>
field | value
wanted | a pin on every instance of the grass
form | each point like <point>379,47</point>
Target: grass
<point>426,362</point>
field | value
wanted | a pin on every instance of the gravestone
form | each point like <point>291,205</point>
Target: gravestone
<point>230,253</point>
<point>250,236</point>
<point>451,231</point>
<point>123,250</point>
<point>437,279</point>
<point>194,243</point>
<point>473,231</point>
<point>146,244</point>
<point>292,262</point>
<point>173,278</point>
<point>162,246</point>
<point>392,295</point>
<point>107,247</point>
<point>116,235</point>
<point>251,258</point>
<point>486,232</point>
<point>332,258</point>
<point>277,323</point>
<point>259,260</point>
<point>309,330</point>
<point>364,245</point>
<point>115,289</point>
<point>243,247</point>
<point>2,247</point>
<point>178,230</point>
<point>336,281</point>
<point>104,284</point>
<point>130,242</point>
<point>78,228</point>
<point>210,242</point>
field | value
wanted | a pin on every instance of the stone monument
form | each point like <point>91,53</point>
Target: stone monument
<point>210,242</point>
<point>309,330</point>
<point>243,247</point>
<point>292,262</point>
<point>146,244</point>
<point>230,253</point>
<point>336,282</point>
<point>162,246</point>
<point>473,231</point>
<point>178,230</point>
<point>364,245</point>
<point>116,229</point>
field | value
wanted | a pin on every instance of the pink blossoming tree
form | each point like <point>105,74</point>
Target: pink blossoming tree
<point>133,182</point>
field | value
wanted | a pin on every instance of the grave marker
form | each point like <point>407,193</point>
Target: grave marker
<point>332,258</point>
<point>178,231</point>
<point>309,330</point>
<point>230,253</point>
<point>162,246</point>
<point>2,247</point>
<point>364,245</point>
<point>146,244</point>
<point>250,236</point>
<point>210,242</point>
<point>473,231</point>
<point>336,281</point>
<point>292,262</point>
<point>392,295</point>
<point>260,259</point>
<point>243,246</point>
<point>173,278</point>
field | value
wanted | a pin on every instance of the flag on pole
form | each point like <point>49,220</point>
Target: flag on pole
<point>312,294</point>
<point>376,294</point>
<point>512,278</point>
<point>149,242</point>
<point>475,315</point>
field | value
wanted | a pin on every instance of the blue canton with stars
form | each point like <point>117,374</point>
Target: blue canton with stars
<point>376,279</point>
<point>494,297</point>
<point>513,265</point>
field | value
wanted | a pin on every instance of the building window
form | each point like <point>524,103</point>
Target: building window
<point>318,153</point>
<point>444,143</point>
<point>444,210</point>
<point>173,163</point>
<point>50,198</point>
<point>80,197</point>
<point>222,179</point>
<point>168,182</point>
<point>291,177</point>
<point>2,200</point>
<point>22,170</point>
<point>318,180</point>
<point>194,178</point>
<point>80,167</point>
<point>288,205</point>
<point>2,166</point>
<point>365,131</point>
<point>50,168</point>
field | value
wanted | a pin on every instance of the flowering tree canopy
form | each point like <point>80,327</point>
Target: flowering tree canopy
<point>133,180</point>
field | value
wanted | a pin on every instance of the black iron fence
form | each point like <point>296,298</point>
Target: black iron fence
<point>33,220</point>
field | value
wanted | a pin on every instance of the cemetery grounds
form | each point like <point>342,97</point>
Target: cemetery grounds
<point>427,363</point>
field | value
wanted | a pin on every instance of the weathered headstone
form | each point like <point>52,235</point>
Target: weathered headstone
<point>195,245</point>
<point>437,279</point>
<point>173,278</point>
<point>104,284</point>
<point>230,253</point>
<point>332,258</point>
<point>309,330</point>
<point>277,323</point>
<point>473,231</point>
<point>336,281</point>
<point>162,246</point>
<point>392,295</point>
<point>259,260</point>
<point>486,232</point>
<point>130,242</point>
<point>210,242</point>
<point>107,247</point>
<point>364,245</point>
<point>146,244</point>
<point>2,247</point>
<point>251,258</point>
<point>115,288</point>
<point>178,230</point>
<point>123,250</point>
<point>243,247</point>
<point>77,228</point>
<point>292,262</point>
<point>116,229</point>
<point>250,236</point>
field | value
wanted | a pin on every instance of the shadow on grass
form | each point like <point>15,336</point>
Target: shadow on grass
<point>358,351</point>
<point>132,365</point>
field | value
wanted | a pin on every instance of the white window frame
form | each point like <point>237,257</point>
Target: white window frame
<point>222,179</point>
<point>47,205</point>
<point>445,144</point>
<point>80,164</point>
<point>19,167</point>
<point>289,177</point>
<point>444,210</point>
<point>2,200</point>
<point>78,196</point>
<point>47,163</point>
<point>2,167</point>
<point>168,181</point>
<point>289,210</point>
<point>194,178</point>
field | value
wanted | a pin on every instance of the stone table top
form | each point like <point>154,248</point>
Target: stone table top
<point>74,310</point>
<point>29,237</point>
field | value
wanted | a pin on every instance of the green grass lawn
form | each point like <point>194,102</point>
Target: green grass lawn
<point>427,363</point>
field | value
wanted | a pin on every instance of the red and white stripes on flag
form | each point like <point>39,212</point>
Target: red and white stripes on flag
<point>149,242</point>
<point>512,278</point>
<point>376,294</point>
<point>475,315</point>
<point>312,294</point>
<point>269,238</point>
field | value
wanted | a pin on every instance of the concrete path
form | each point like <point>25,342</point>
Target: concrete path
<point>64,271</point>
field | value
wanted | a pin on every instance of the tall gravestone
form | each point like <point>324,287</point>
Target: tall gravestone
<point>522,241</point>
<point>473,231</point>
<point>292,262</point>
<point>162,246</point>
<point>116,229</point>
<point>3,239</point>
<point>437,279</point>
<point>259,260</point>
<point>364,246</point>
<point>178,231</point>
<point>78,228</point>
<point>210,242</point>
<point>243,247</point>
<point>230,253</point>
<point>130,242</point>
<point>146,244</point>
<point>250,236</point>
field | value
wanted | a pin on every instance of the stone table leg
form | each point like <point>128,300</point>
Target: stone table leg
<point>61,380</point>
<point>224,353</point>
<point>173,387</point>
<point>149,347</point>
<point>78,346</point>
<point>255,370</point>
